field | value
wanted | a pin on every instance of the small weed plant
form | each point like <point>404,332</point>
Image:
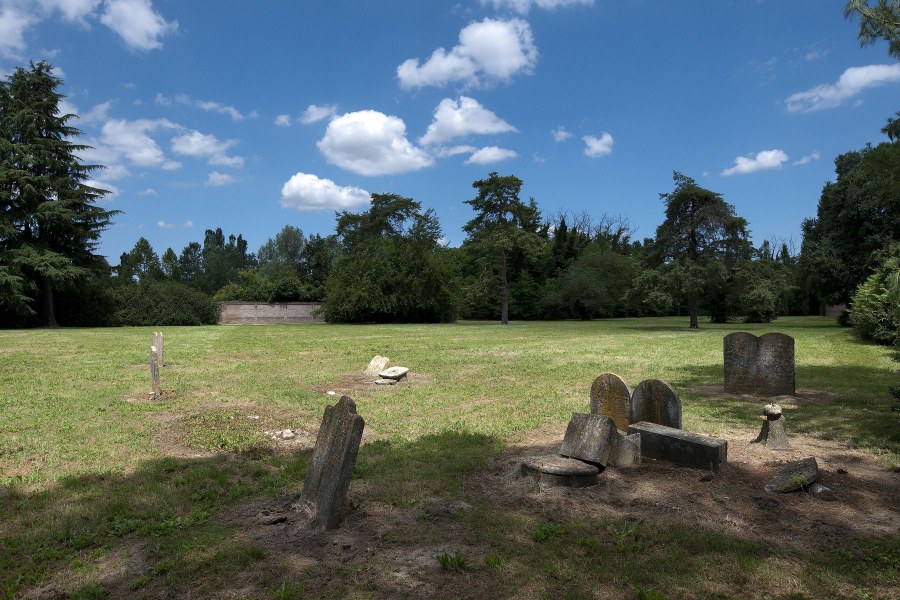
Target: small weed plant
<point>454,563</point>
<point>547,531</point>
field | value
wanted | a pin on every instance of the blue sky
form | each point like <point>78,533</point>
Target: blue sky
<point>253,115</point>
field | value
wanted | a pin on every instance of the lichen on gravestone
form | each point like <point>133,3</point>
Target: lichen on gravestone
<point>589,438</point>
<point>655,401</point>
<point>328,479</point>
<point>611,397</point>
<point>763,366</point>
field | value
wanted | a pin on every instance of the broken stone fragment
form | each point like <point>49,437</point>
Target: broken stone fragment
<point>287,434</point>
<point>794,476</point>
<point>378,363</point>
<point>396,373</point>
<point>558,471</point>
<point>385,382</point>
<point>821,492</point>
<point>625,450</point>
<point>589,438</point>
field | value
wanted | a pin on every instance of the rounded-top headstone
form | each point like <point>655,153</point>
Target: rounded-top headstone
<point>655,401</point>
<point>611,397</point>
<point>775,364</point>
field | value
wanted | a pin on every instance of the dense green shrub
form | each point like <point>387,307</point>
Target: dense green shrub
<point>875,307</point>
<point>158,303</point>
<point>274,286</point>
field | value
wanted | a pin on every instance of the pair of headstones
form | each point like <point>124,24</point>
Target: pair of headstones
<point>653,401</point>
<point>762,366</point>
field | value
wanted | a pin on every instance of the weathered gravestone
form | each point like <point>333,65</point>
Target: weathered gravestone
<point>378,363</point>
<point>611,396</point>
<point>655,401</point>
<point>589,438</point>
<point>763,366</point>
<point>154,372</point>
<point>158,342</point>
<point>334,457</point>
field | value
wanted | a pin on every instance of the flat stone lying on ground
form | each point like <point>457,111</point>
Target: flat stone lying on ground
<point>383,381</point>
<point>795,475</point>
<point>558,471</point>
<point>681,447</point>
<point>395,373</point>
<point>655,401</point>
<point>334,457</point>
<point>611,397</point>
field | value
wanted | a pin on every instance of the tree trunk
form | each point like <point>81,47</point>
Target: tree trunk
<point>49,313</point>
<point>694,308</point>
<point>504,290</point>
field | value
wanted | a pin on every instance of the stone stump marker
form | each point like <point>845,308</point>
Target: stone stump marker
<point>158,342</point>
<point>654,401</point>
<point>334,457</point>
<point>611,397</point>
<point>763,366</point>
<point>773,434</point>
<point>589,438</point>
<point>154,371</point>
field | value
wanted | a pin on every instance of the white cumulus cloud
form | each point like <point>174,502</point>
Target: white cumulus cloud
<point>368,142</point>
<point>598,146</point>
<point>14,20</point>
<point>316,112</point>
<point>308,192</point>
<point>808,158</point>
<point>283,120</point>
<point>131,139</point>
<point>459,118</point>
<point>216,179</point>
<point>767,159</point>
<point>523,6</point>
<point>560,134</point>
<point>489,50</point>
<point>137,23</point>
<point>489,154</point>
<point>208,146</point>
<point>852,82</point>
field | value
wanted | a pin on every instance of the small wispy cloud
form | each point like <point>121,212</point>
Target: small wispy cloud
<point>808,158</point>
<point>598,146</point>
<point>762,161</point>
<point>560,134</point>
<point>852,82</point>
<point>216,179</point>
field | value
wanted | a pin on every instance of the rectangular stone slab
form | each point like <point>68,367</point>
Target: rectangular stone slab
<point>681,447</point>
<point>589,438</point>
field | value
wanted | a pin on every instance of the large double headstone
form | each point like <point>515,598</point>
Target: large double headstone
<point>653,400</point>
<point>332,464</point>
<point>763,366</point>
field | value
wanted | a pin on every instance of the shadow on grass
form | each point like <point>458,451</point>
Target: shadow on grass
<point>165,528</point>
<point>860,413</point>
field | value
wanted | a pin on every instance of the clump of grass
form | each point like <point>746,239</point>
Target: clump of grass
<point>621,533</point>
<point>547,531</point>
<point>289,590</point>
<point>454,563</point>
<point>223,429</point>
<point>494,561</point>
<point>650,594</point>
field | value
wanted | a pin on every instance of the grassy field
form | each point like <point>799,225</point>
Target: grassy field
<point>92,475</point>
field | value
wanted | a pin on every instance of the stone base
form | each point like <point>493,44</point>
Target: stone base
<point>558,471</point>
<point>626,450</point>
<point>681,447</point>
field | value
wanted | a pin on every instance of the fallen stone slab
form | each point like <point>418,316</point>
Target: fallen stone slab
<point>558,471</point>
<point>794,476</point>
<point>684,448</point>
<point>385,382</point>
<point>625,450</point>
<point>396,373</point>
<point>588,438</point>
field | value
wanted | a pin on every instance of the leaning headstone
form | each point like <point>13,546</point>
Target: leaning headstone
<point>626,450</point>
<point>334,457</point>
<point>799,474</point>
<point>558,471</point>
<point>588,438</point>
<point>154,372</point>
<point>655,401</point>
<point>773,434</point>
<point>763,366</point>
<point>611,396</point>
<point>681,447</point>
<point>395,373</point>
<point>158,342</point>
<point>378,363</point>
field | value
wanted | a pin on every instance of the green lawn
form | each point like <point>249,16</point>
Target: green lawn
<point>87,468</point>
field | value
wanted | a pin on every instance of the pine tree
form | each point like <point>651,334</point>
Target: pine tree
<point>49,225</point>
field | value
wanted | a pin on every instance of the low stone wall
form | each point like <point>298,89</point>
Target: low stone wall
<point>269,312</point>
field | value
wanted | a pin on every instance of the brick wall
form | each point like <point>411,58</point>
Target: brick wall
<point>269,312</point>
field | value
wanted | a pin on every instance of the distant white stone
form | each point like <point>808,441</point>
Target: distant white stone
<point>378,363</point>
<point>397,373</point>
<point>331,393</point>
<point>287,434</point>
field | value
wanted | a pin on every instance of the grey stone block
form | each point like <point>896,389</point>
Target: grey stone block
<point>588,438</point>
<point>794,476</point>
<point>681,447</point>
<point>557,471</point>
<point>626,450</point>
